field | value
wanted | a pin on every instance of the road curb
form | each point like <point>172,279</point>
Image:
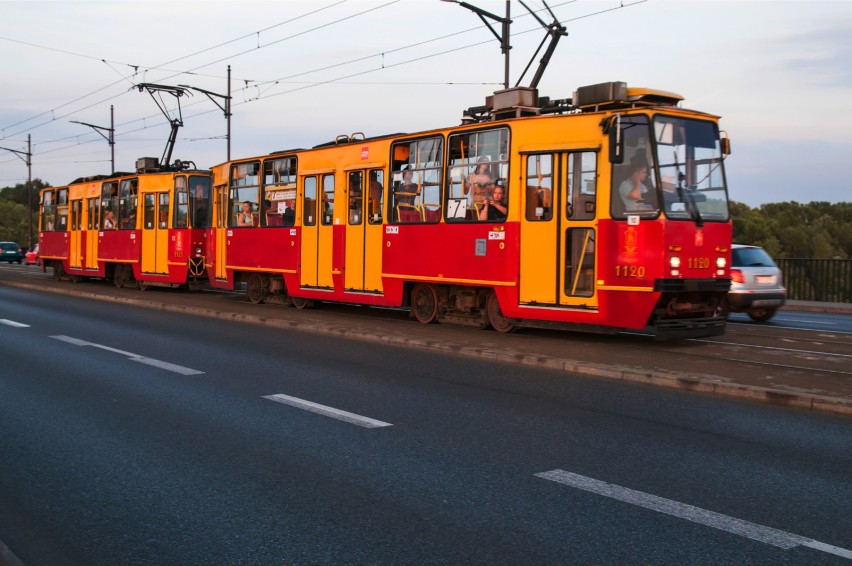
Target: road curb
<point>684,381</point>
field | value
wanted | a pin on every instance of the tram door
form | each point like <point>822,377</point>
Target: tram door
<point>93,207</point>
<point>558,229</point>
<point>155,233</point>
<point>318,202</point>
<point>77,238</point>
<point>363,259</point>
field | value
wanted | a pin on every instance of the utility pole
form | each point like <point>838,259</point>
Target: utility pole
<point>226,107</point>
<point>110,139</point>
<point>29,162</point>
<point>503,37</point>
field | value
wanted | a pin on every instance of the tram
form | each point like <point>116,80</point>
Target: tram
<point>604,212</point>
<point>144,228</point>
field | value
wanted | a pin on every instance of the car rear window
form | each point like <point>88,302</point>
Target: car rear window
<point>9,246</point>
<point>751,257</point>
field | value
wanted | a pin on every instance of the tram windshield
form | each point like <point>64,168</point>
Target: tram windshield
<point>692,176</point>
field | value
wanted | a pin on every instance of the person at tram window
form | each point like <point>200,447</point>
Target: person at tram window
<point>633,189</point>
<point>244,218</point>
<point>494,206</point>
<point>407,191</point>
<point>376,189</point>
<point>478,180</point>
<point>289,214</point>
<point>109,220</point>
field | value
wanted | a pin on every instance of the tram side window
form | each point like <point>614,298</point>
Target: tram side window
<point>582,185</point>
<point>76,214</point>
<point>48,211</point>
<point>92,218</point>
<point>633,189</point>
<point>128,202</point>
<point>279,192</point>
<point>62,210</point>
<point>109,205</point>
<point>417,180</point>
<point>181,203</point>
<point>356,197</point>
<point>245,210</point>
<point>309,207</point>
<point>200,201</point>
<point>327,217</point>
<point>376,196</point>
<point>539,191</point>
<point>477,176</point>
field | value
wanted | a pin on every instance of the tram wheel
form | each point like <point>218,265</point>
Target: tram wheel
<point>256,288</point>
<point>424,303</point>
<point>58,270</point>
<point>143,285</point>
<point>496,317</point>
<point>302,303</point>
<point>119,276</point>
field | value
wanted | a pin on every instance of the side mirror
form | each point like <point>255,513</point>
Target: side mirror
<point>725,143</point>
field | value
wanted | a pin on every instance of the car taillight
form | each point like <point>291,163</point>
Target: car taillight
<point>737,276</point>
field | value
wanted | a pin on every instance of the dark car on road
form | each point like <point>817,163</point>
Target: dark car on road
<point>11,251</point>
<point>756,287</point>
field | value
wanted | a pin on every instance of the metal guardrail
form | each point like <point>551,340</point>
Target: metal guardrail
<point>825,280</point>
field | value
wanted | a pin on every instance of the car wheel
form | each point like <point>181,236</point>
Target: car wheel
<point>761,315</point>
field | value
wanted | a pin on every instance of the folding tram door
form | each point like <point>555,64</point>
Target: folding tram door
<point>155,233</point>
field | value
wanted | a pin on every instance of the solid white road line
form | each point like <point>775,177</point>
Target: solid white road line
<point>133,357</point>
<point>8,322</point>
<point>351,418</point>
<point>719,521</point>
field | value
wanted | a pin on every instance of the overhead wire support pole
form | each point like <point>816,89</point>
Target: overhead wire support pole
<point>110,139</point>
<point>554,31</point>
<point>503,37</point>
<point>29,162</point>
<point>225,107</point>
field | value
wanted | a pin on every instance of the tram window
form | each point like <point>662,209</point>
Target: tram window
<point>62,209</point>
<point>633,189</point>
<point>539,191</point>
<point>181,203</point>
<point>244,197</point>
<point>92,221</point>
<point>327,217</point>
<point>76,208</point>
<point>579,262</point>
<point>477,164</point>
<point>163,210</point>
<point>109,203</point>
<point>417,180</point>
<point>582,183</point>
<point>376,196</point>
<point>127,204</point>
<point>309,209</point>
<point>48,211</point>
<point>199,201</point>
<point>279,192</point>
<point>356,197</point>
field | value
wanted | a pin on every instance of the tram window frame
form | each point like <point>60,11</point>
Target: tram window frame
<point>470,151</point>
<point>328,187</point>
<point>424,158</point>
<point>200,208</point>
<point>539,196</point>
<point>355,197</point>
<point>109,202</point>
<point>279,192</point>
<point>48,210</point>
<point>580,282</point>
<point>638,146</point>
<point>309,201</point>
<point>76,214</point>
<point>181,208</point>
<point>577,205</point>
<point>244,186</point>
<point>128,203</point>
<point>92,216</point>
<point>163,209</point>
<point>62,210</point>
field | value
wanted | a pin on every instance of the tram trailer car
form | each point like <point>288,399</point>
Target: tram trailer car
<point>147,228</point>
<point>606,212</point>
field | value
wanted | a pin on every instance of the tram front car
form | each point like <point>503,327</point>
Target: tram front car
<point>671,230</point>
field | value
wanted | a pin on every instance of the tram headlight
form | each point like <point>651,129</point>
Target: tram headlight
<point>721,263</point>
<point>674,262</point>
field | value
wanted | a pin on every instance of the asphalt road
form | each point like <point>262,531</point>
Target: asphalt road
<point>137,436</point>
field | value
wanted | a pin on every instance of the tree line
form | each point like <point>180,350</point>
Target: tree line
<point>818,230</point>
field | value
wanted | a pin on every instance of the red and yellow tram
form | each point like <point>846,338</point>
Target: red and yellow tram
<point>412,220</point>
<point>148,227</point>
